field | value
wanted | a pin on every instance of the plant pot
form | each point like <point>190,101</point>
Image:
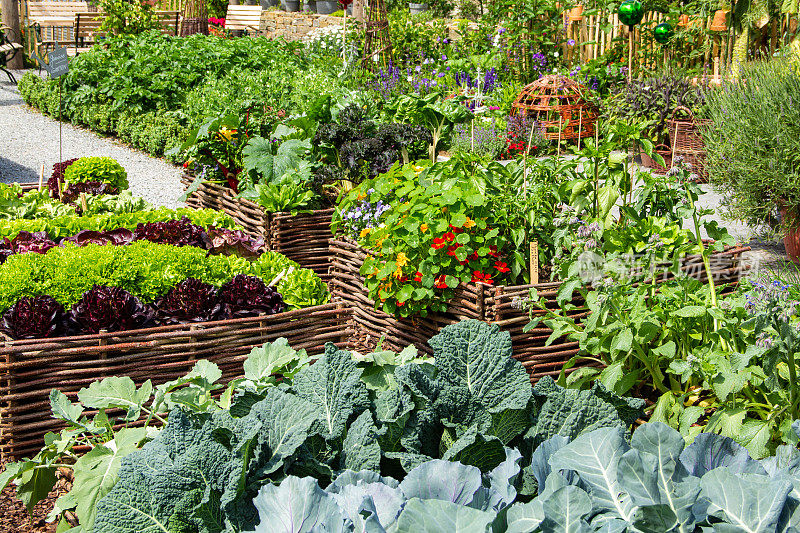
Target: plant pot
<point>290,6</point>
<point>310,7</point>
<point>791,241</point>
<point>326,7</point>
<point>576,14</point>
<point>417,8</point>
<point>720,21</point>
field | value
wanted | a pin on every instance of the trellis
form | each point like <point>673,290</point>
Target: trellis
<point>377,42</point>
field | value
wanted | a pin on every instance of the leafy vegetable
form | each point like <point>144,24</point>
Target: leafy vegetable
<point>249,296</point>
<point>109,309</point>
<point>34,318</point>
<point>103,169</point>
<point>191,300</point>
<point>176,232</point>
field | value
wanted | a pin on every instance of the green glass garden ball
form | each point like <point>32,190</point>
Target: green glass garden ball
<point>662,33</point>
<point>631,12</point>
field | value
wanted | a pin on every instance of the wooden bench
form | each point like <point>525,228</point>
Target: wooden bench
<point>243,18</point>
<point>8,49</point>
<point>87,27</point>
<point>51,22</point>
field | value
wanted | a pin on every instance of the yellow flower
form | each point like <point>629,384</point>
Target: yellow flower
<point>361,196</point>
<point>365,232</point>
<point>402,260</point>
<point>469,223</point>
<point>423,228</point>
<point>398,273</point>
<point>379,243</point>
<point>226,134</point>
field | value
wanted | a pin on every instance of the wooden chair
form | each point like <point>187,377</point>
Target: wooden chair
<point>243,18</point>
<point>8,49</point>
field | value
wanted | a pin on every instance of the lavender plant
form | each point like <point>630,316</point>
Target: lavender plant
<point>480,138</point>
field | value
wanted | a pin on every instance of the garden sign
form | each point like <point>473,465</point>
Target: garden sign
<point>56,66</point>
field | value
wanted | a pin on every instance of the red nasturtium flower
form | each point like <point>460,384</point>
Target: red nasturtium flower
<point>455,229</point>
<point>400,304</point>
<point>493,252</point>
<point>449,236</point>
<point>501,266</point>
<point>473,256</point>
<point>451,250</point>
<point>440,283</point>
<point>438,243</point>
<point>418,277</point>
<point>480,277</point>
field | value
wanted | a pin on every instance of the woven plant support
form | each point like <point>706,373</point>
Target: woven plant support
<point>686,140</point>
<point>506,306</point>
<point>377,41</point>
<point>304,237</point>
<point>195,18</point>
<point>557,105</point>
<point>30,369</point>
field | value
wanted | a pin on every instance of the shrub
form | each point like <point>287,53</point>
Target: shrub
<point>103,169</point>
<point>753,145</point>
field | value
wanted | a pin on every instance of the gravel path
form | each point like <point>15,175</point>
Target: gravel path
<point>28,139</point>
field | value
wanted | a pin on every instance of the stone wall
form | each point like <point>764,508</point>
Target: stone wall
<point>294,26</point>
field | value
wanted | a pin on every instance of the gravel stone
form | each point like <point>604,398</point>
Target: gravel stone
<point>28,139</point>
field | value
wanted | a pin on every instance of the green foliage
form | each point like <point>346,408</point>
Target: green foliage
<point>287,417</point>
<point>104,169</point>
<point>753,144</point>
<point>146,270</point>
<point>126,17</point>
<point>456,222</point>
<point>68,225</point>
<point>37,205</point>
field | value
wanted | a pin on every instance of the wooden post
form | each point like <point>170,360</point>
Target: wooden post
<point>41,177</point>
<point>534,262</point>
<point>358,10</point>
<point>10,11</point>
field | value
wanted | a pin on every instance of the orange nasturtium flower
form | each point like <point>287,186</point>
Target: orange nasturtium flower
<point>402,259</point>
<point>365,232</point>
<point>469,223</point>
<point>423,227</point>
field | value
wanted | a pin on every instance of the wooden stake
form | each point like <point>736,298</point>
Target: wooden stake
<point>558,148</point>
<point>580,126</point>
<point>41,177</point>
<point>534,262</point>
<point>84,204</point>
<point>630,54</point>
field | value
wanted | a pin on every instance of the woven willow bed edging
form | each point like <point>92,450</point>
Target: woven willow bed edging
<point>304,237</point>
<point>497,305</point>
<point>30,369</point>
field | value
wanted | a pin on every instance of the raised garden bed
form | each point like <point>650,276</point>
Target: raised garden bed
<point>30,369</point>
<point>304,237</point>
<point>502,305</point>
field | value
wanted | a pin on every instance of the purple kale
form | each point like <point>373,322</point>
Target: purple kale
<point>249,296</point>
<point>176,232</point>
<point>57,177</point>
<point>36,317</point>
<point>191,300</point>
<point>220,241</point>
<point>26,241</point>
<point>117,236</point>
<point>104,308</point>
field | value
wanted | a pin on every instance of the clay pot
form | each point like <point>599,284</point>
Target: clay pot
<point>792,238</point>
<point>576,14</point>
<point>719,23</point>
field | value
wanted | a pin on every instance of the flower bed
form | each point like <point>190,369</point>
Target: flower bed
<point>30,369</point>
<point>501,305</point>
<point>304,237</point>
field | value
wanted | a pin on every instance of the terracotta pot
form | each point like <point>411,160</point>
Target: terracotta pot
<point>792,238</point>
<point>720,21</point>
<point>576,14</point>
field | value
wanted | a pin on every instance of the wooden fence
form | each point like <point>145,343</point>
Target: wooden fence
<point>699,43</point>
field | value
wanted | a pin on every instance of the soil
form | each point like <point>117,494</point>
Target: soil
<point>14,518</point>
